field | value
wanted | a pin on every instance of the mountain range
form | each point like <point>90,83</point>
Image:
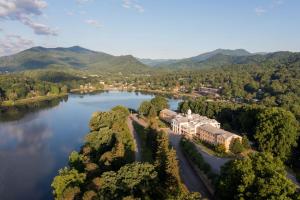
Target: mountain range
<point>78,58</point>
<point>73,57</point>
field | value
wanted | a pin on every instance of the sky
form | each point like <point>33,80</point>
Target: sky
<point>151,28</point>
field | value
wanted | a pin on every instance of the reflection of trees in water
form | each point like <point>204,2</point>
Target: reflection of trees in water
<point>17,112</point>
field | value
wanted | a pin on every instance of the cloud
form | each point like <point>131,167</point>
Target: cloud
<point>132,4</point>
<point>23,10</point>
<point>12,43</point>
<point>93,22</point>
<point>260,11</point>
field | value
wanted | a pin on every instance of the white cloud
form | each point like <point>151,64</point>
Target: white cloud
<point>260,11</point>
<point>93,22</point>
<point>23,10</point>
<point>133,4</point>
<point>11,44</point>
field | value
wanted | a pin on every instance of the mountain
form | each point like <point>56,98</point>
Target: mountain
<point>74,57</point>
<point>193,61</point>
<point>156,62</point>
<point>282,58</point>
<point>227,52</point>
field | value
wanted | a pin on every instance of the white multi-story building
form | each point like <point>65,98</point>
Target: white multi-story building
<point>188,124</point>
<point>194,125</point>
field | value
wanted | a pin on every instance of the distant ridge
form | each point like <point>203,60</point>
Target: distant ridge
<point>198,58</point>
<point>75,57</point>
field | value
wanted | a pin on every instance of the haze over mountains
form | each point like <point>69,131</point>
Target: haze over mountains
<point>79,58</point>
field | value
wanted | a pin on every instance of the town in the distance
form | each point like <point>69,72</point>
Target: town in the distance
<point>232,131</point>
<point>149,100</point>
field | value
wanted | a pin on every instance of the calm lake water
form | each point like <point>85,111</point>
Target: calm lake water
<point>35,146</point>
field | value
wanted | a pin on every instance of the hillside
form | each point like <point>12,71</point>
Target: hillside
<point>220,59</point>
<point>189,62</point>
<point>69,58</point>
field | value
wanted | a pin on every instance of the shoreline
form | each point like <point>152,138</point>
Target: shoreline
<point>20,102</point>
<point>173,94</point>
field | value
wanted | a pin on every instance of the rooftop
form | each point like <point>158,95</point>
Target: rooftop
<point>217,131</point>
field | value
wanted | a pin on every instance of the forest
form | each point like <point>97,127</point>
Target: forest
<point>105,166</point>
<point>15,87</point>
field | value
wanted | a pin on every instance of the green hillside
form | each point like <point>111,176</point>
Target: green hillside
<point>69,58</point>
<point>222,60</point>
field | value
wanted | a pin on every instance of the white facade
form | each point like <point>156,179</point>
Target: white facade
<point>202,127</point>
<point>188,124</point>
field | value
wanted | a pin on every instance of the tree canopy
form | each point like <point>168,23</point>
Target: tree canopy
<point>259,176</point>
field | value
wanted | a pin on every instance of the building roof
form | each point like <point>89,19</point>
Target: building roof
<point>168,112</point>
<point>217,131</point>
<point>195,119</point>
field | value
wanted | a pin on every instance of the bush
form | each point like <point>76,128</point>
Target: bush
<point>236,146</point>
<point>190,149</point>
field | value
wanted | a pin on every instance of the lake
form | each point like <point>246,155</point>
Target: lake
<point>36,144</point>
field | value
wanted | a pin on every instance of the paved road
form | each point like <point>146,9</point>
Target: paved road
<point>215,162</point>
<point>137,140</point>
<point>188,175</point>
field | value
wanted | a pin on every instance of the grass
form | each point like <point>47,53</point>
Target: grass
<point>146,150</point>
<point>30,100</point>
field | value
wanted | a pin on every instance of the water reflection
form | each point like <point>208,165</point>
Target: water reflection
<point>36,142</point>
<point>25,160</point>
<point>18,112</point>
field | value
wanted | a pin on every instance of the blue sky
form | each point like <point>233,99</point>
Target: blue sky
<point>151,28</point>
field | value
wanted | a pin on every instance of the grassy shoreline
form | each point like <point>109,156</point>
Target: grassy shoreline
<point>31,100</point>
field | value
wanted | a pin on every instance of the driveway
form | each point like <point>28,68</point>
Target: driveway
<point>188,175</point>
<point>137,140</point>
<point>215,162</point>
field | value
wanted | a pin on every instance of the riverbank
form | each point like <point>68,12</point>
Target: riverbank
<point>26,101</point>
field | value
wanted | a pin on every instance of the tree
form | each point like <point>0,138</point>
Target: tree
<point>245,142</point>
<point>276,131</point>
<point>54,89</point>
<point>67,180</point>
<point>121,111</point>
<point>220,148</point>
<point>76,161</point>
<point>152,112</point>
<point>184,107</point>
<point>144,108</point>
<point>159,103</point>
<point>236,146</point>
<point>259,176</point>
<point>138,179</point>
